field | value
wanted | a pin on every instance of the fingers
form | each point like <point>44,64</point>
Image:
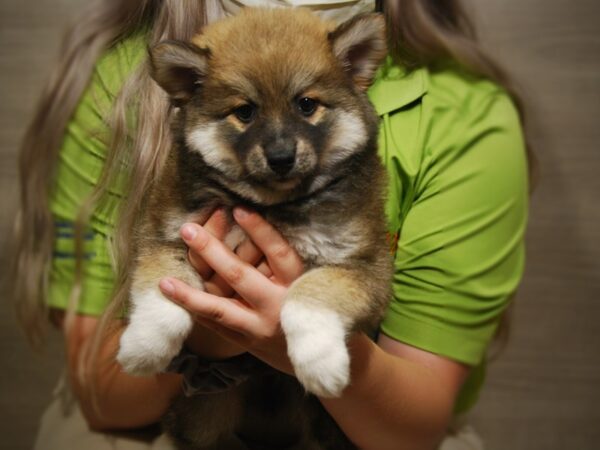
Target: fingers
<point>227,313</point>
<point>218,286</point>
<point>264,268</point>
<point>243,278</point>
<point>217,226</point>
<point>230,335</point>
<point>233,320</point>
<point>283,260</point>
<point>247,252</point>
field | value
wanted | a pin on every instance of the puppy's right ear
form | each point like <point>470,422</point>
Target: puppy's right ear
<point>360,45</point>
<point>179,68</point>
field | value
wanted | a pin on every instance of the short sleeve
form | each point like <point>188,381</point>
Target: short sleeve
<point>81,160</point>
<point>97,274</point>
<point>460,254</point>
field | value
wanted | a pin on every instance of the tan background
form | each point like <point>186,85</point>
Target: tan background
<point>543,393</point>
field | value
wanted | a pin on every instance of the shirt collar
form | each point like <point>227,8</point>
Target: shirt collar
<point>395,87</point>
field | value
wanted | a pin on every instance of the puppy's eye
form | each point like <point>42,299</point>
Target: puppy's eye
<point>245,113</point>
<point>307,106</point>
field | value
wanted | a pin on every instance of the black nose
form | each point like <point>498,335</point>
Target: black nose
<point>281,156</point>
<point>281,163</point>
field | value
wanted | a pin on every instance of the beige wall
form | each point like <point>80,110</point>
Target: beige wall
<point>543,393</point>
<point>29,40</point>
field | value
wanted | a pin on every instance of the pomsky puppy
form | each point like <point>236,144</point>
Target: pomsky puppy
<point>269,112</point>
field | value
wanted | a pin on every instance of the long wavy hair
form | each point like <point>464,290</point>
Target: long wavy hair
<point>420,33</point>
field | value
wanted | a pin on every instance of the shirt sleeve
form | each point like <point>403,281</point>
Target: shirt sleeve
<point>80,163</point>
<point>460,253</point>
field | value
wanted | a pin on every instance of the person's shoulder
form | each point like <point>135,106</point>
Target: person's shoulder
<point>475,128</point>
<point>119,61</point>
<point>460,108</point>
<point>394,88</point>
<point>127,51</point>
<point>455,89</point>
<point>446,90</point>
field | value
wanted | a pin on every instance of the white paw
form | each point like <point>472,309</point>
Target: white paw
<point>143,357</point>
<point>155,334</point>
<point>316,339</point>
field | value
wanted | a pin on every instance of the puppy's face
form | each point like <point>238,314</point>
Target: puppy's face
<point>274,99</point>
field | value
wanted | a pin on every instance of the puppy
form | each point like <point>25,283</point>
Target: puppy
<point>270,112</point>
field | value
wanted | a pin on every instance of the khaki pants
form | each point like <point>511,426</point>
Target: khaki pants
<point>63,427</point>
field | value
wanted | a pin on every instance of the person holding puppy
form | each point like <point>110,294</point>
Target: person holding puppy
<point>451,140</point>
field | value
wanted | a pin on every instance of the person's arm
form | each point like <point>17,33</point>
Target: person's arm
<point>459,258</point>
<point>399,398</point>
<point>109,398</point>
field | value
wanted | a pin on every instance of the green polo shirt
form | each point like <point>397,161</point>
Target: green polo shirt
<point>457,204</point>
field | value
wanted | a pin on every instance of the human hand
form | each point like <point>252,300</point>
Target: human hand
<point>243,302</point>
<point>203,341</point>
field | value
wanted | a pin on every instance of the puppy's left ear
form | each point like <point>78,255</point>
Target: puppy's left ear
<point>179,68</point>
<point>360,45</point>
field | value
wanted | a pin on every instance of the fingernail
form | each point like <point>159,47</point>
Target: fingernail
<point>240,213</point>
<point>188,231</point>
<point>167,287</point>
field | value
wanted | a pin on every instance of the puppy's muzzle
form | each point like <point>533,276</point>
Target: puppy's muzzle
<point>281,156</point>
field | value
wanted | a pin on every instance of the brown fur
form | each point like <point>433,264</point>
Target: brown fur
<point>329,205</point>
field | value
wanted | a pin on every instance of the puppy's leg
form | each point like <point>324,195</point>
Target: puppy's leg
<point>321,308</point>
<point>157,326</point>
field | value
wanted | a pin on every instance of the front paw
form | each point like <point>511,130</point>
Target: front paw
<point>156,331</point>
<point>143,353</point>
<point>316,340</point>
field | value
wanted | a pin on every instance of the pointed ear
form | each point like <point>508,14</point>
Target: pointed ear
<point>360,44</point>
<point>179,68</point>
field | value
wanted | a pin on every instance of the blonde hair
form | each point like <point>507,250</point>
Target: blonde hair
<point>101,26</point>
<point>420,33</point>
